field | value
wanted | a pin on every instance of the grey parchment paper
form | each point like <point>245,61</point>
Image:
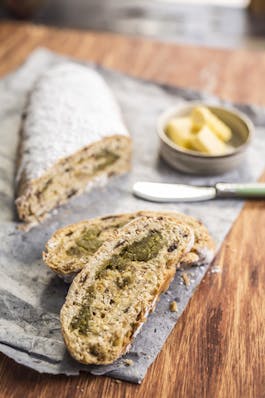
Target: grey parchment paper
<point>30,295</point>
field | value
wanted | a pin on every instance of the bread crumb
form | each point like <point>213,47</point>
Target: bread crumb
<point>128,362</point>
<point>216,269</point>
<point>186,279</point>
<point>173,306</point>
<point>117,381</point>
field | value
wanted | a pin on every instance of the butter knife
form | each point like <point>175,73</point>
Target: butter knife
<point>160,192</point>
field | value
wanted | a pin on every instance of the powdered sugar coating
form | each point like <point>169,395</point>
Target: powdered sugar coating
<point>70,108</point>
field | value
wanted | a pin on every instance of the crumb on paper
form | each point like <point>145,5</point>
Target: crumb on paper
<point>186,279</point>
<point>128,362</point>
<point>173,306</point>
<point>216,269</point>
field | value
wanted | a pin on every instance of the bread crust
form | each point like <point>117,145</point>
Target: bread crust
<point>80,346</point>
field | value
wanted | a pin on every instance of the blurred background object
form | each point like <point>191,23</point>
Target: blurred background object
<point>23,8</point>
<point>219,23</point>
<point>258,7</point>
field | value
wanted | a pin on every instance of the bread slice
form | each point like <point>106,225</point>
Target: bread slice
<point>70,248</point>
<point>73,137</point>
<point>111,297</point>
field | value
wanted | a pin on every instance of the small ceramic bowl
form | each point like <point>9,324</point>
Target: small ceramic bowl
<point>193,162</point>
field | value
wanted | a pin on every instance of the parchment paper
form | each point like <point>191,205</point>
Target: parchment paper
<point>30,295</point>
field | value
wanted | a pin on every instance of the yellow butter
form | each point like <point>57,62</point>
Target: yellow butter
<point>205,141</point>
<point>202,116</point>
<point>178,130</point>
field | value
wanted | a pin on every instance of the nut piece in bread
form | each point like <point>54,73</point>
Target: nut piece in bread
<point>111,297</point>
<point>72,138</point>
<point>70,248</point>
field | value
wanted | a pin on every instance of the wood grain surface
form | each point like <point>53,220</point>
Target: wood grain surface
<point>217,348</point>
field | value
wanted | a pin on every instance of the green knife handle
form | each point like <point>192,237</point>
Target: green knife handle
<point>247,190</point>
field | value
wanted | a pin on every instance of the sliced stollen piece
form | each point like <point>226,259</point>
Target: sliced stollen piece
<point>69,248</point>
<point>73,137</point>
<point>111,297</point>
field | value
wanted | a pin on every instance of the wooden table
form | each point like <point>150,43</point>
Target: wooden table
<point>217,349</point>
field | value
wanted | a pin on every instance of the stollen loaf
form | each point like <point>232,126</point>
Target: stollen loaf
<point>72,138</point>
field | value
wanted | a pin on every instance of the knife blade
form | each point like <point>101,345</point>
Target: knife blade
<point>162,192</point>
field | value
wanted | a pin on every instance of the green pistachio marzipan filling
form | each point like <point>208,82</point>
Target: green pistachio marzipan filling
<point>87,243</point>
<point>81,320</point>
<point>119,264</point>
<point>108,157</point>
<point>143,250</point>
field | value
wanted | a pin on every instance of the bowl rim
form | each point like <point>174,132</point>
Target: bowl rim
<point>169,112</point>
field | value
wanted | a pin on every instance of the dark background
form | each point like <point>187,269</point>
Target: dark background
<point>168,20</point>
